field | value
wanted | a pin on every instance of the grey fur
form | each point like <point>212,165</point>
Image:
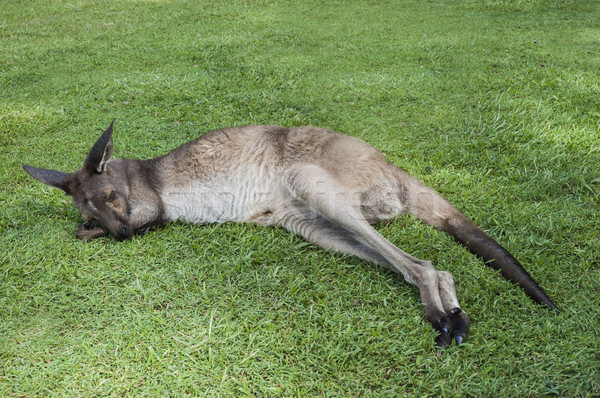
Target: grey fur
<point>325,186</point>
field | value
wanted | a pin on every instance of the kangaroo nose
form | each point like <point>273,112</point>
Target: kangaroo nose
<point>124,231</point>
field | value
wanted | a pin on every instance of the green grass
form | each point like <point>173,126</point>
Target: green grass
<point>499,99</point>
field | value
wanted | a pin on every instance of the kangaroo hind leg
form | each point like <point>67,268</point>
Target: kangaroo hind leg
<point>317,229</point>
<point>340,205</point>
<point>331,236</point>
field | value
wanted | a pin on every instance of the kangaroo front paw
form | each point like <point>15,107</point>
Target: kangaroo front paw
<point>87,231</point>
<point>453,325</point>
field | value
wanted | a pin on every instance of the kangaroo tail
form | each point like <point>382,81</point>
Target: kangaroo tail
<point>494,255</point>
<point>429,206</point>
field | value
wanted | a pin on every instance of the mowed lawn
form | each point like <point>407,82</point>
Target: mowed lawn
<point>494,103</point>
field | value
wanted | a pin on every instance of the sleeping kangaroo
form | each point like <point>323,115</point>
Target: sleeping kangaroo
<point>325,186</point>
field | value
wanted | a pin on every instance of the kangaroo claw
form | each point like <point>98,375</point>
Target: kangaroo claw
<point>454,326</point>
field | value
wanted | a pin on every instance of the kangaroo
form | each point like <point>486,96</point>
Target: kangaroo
<point>327,187</point>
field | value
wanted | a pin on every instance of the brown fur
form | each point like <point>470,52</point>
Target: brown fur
<point>320,184</point>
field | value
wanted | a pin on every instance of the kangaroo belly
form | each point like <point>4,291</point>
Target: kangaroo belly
<point>240,197</point>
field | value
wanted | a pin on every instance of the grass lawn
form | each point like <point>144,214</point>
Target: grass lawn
<point>494,103</point>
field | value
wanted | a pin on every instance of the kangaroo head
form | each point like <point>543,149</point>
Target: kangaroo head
<point>99,190</point>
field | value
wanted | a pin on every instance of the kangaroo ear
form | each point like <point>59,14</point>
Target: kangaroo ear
<point>101,152</point>
<point>56,179</point>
